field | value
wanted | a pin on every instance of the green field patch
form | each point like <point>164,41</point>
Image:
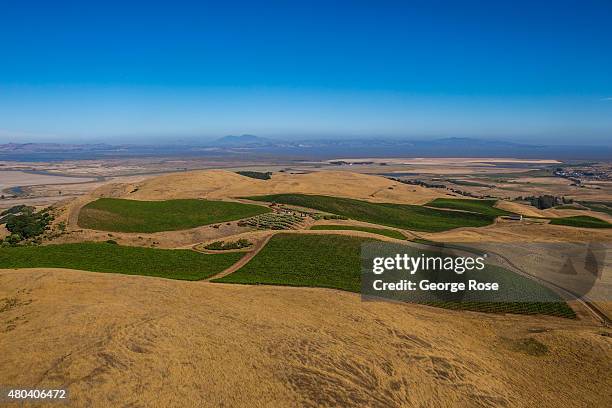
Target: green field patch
<point>485,207</point>
<point>559,309</point>
<point>570,207</point>
<point>333,261</point>
<point>380,231</point>
<point>601,206</point>
<point>328,261</point>
<point>118,215</point>
<point>104,257</point>
<point>583,221</point>
<point>403,216</point>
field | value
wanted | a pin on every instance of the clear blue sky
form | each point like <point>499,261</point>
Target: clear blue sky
<point>128,71</point>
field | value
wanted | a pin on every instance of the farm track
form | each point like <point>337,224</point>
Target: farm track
<point>75,209</point>
<point>262,243</point>
<point>242,261</point>
<point>595,311</point>
<point>600,315</point>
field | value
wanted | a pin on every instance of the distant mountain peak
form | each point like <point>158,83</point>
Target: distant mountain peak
<point>243,141</point>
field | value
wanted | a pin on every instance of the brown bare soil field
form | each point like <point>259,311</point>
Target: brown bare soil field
<point>136,341</point>
<point>543,180</point>
<point>53,194</point>
<point>548,185</point>
<point>436,161</point>
<point>20,178</point>
<point>443,166</point>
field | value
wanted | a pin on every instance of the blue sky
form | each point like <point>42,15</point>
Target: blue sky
<point>109,71</point>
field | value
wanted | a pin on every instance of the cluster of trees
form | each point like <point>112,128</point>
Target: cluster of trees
<point>546,201</point>
<point>11,212</point>
<point>438,185</point>
<point>329,217</point>
<point>24,223</point>
<point>345,163</point>
<point>419,183</point>
<point>468,194</point>
<point>224,246</point>
<point>256,174</point>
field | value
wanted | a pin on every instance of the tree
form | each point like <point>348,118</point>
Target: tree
<point>29,224</point>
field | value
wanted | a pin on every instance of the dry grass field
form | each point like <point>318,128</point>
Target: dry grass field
<point>213,184</point>
<point>145,341</point>
<point>224,185</point>
<point>136,341</point>
<point>523,231</point>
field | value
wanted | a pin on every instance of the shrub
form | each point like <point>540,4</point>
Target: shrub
<point>13,239</point>
<point>29,224</point>
<point>16,209</point>
<point>224,246</point>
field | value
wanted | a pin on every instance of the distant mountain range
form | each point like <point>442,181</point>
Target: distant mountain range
<point>306,149</point>
<point>387,147</point>
<point>244,141</point>
<point>51,147</point>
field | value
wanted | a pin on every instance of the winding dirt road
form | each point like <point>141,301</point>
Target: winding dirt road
<point>242,261</point>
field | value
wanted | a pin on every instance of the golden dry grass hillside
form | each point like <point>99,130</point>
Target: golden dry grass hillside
<point>215,184</point>
<point>222,184</point>
<point>518,208</point>
<point>134,341</point>
<point>530,211</point>
<point>521,231</point>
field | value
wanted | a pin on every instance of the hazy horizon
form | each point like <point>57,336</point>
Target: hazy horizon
<point>198,140</point>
